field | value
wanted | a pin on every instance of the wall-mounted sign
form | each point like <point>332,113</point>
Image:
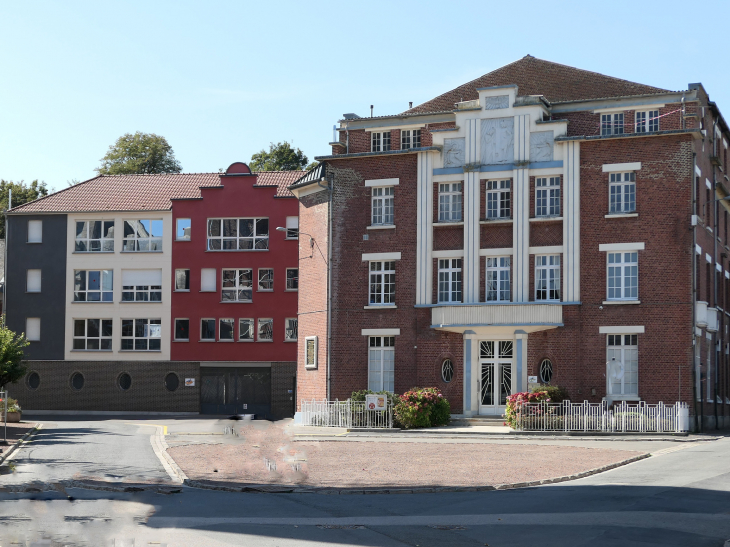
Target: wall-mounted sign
<point>189,382</point>
<point>375,402</point>
<point>532,379</point>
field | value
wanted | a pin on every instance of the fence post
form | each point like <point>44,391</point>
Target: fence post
<point>566,414</point>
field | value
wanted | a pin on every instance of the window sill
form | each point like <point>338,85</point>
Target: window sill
<point>264,290</point>
<point>32,292</point>
<point>182,290</point>
<point>246,340</point>
<point>231,341</point>
<point>140,351</point>
<point>182,340</point>
<point>185,239</point>
<point>209,291</point>
<point>92,302</point>
<point>291,341</point>
<point>291,239</point>
<point>206,340</point>
<point>496,221</point>
<point>139,302</point>
<point>621,215</point>
<point>439,224</point>
<point>33,242</point>
<point>92,351</point>
<point>381,227</point>
<point>291,290</point>
<point>93,252</point>
<point>546,219</point>
<point>236,301</point>
<point>381,307</point>
<point>138,252</point>
<point>237,250</point>
<point>617,302</point>
<point>269,341</point>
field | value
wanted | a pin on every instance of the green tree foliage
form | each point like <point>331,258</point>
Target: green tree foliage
<point>139,153</point>
<point>22,193</point>
<point>280,157</point>
<point>12,367</point>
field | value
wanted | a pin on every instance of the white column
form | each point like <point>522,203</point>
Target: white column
<point>471,213</point>
<point>424,229</point>
<point>519,378</point>
<point>521,210</point>
<point>471,373</point>
<point>571,222</point>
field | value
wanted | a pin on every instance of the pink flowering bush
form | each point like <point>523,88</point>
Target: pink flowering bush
<point>515,402</point>
<point>422,407</point>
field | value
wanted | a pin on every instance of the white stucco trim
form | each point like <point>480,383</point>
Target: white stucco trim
<point>698,171</point>
<point>309,190</point>
<point>615,167</point>
<point>636,329</point>
<point>635,108</point>
<point>453,253</point>
<point>638,246</point>
<point>382,182</point>
<point>503,251</point>
<point>708,258</point>
<point>366,257</point>
<point>547,250</point>
<point>708,183</point>
<point>380,332</point>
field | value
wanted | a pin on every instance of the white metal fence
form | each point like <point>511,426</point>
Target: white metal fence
<point>348,414</point>
<point>622,418</point>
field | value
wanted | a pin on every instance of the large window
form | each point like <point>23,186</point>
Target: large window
<point>498,279</point>
<point>94,236</point>
<point>93,285</point>
<point>225,330</point>
<point>183,229</point>
<point>266,330</point>
<point>623,276</point>
<point>450,202</point>
<point>380,142</point>
<point>141,285</point>
<point>547,197</point>
<point>143,235</point>
<point>410,138</point>
<point>622,193</point>
<point>291,329</point>
<point>35,231</point>
<point>92,334</point>
<point>207,329</point>
<point>292,227</point>
<point>245,330</point>
<point>381,363</point>
<point>141,334</point>
<point>382,206</point>
<point>266,279</point>
<point>237,285</point>
<point>612,124</point>
<point>292,279</point>
<point>238,234</point>
<point>382,283</point>
<point>498,199</point>
<point>622,356</point>
<point>547,277</point>
<point>182,329</point>
<point>182,280</point>
<point>648,121</point>
<point>450,280</point>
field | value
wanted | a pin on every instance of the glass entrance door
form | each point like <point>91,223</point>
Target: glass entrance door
<point>495,359</point>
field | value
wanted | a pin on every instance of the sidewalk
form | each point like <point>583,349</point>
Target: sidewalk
<point>15,432</point>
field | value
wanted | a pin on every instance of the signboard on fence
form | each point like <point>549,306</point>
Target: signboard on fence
<point>375,402</point>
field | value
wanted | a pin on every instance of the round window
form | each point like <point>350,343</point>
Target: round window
<point>447,370</point>
<point>33,380</point>
<point>124,381</point>
<point>546,371</point>
<point>77,381</point>
<point>171,381</point>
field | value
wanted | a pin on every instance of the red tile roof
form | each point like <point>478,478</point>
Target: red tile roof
<point>537,77</point>
<point>142,192</point>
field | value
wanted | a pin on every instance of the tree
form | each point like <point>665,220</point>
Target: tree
<point>12,367</point>
<point>22,193</point>
<point>139,153</point>
<point>280,157</point>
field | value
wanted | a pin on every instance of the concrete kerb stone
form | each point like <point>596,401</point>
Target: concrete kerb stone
<point>19,442</point>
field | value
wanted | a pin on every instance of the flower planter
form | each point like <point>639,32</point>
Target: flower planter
<point>13,417</point>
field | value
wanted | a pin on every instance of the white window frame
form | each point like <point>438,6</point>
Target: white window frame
<point>450,280</point>
<point>33,324</point>
<point>380,141</point>
<point>232,323</point>
<point>142,293</point>
<point>38,231</point>
<point>33,281</point>
<point>184,237</point>
<point>310,358</point>
<point>627,355</point>
<point>150,334</point>
<point>382,206</point>
<point>646,121</point>
<point>251,326</point>
<point>547,275</point>
<point>409,138</point>
<point>260,325</point>
<point>98,339</point>
<point>498,199</point>
<point>381,363</point>
<point>259,241</point>
<point>498,271</point>
<point>291,325</point>
<point>622,192</point>
<point>152,242</point>
<point>103,275</point>
<point>450,201</point>
<point>174,326</point>
<point>215,332</point>
<point>187,278</point>
<point>612,123</point>
<point>102,244</point>
<point>237,291</point>
<point>292,228</point>
<point>292,280</point>
<point>547,197</point>
<point>622,266</point>
<point>381,278</point>
<point>262,271</point>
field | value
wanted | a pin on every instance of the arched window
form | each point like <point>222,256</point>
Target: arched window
<point>447,370</point>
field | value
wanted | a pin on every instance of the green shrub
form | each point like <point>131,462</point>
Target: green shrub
<point>556,394</point>
<point>422,407</point>
<point>13,405</point>
<point>515,402</point>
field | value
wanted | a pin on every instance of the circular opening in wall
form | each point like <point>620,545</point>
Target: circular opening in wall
<point>546,371</point>
<point>77,381</point>
<point>447,370</point>
<point>124,381</point>
<point>171,381</point>
<point>33,380</point>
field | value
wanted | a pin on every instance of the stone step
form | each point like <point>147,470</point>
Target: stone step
<point>479,420</point>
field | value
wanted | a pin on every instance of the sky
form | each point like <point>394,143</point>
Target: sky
<point>221,80</point>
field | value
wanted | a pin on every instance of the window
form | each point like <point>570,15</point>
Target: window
<point>141,285</point>
<point>225,329</point>
<point>266,330</point>
<point>33,380</point>
<point>143,235</point>
<point>242,234</point>
<point>450,280</point>
<point>646,122</point>
<point>547,197</point>
<point>182,280</point>
<point>207,280</point>
<point>612,124</point>
<point>292,227</point>
<point>182,329</point>
<point>92,334</point>
<point>498,199</point>
<point>33,281</point>
<point>124,381</point>
<point>35,231</point>
<point>546,371</point>
<point>310,352</point>
<point>183,228</point>
<point>547,277</point>
<point>450,202</point>
<point>291,328</point>
<point>245,330</point>
<point>237,285</point>
<point>33,329</point>
<point>266,279</point>
<point>622,356</point>
<point>447,370</point>
<point>207,329</point>
<point>141,334</point>
<point>171,381</point>
<point>498,279</point>
<point>94,236</point>
<point>77,381</point>
<point>292,279</point>
<point>382,283</point>
<point>382,206</point>
<point>623,276</point>
<point>410,138</point>
<point>380,142</point>
<point>381,363</point>
<point>622,192</point>
<point>93,285</point>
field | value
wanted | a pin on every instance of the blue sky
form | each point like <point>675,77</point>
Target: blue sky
<point>220,80</point>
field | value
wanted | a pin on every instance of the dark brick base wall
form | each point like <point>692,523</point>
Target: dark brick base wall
<point>283,379</point>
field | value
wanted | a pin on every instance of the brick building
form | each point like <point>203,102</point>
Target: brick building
<point>538,224</point>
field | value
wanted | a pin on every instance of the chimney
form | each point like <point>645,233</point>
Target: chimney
<point>371,111</point>
<point>410,104</point>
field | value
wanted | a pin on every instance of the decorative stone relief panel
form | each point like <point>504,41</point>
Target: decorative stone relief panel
<point>495,103</point>
<point>454,152</point>
<point>498,141</point>
<point>541,146</point>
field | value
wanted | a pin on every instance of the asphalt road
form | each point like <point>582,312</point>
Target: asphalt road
<point>680,497</point>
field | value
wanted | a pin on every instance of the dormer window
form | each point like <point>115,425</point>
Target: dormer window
<point>612,124</point>
<point>380,141</point>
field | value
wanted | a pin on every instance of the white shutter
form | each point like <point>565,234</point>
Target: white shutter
<point>33,281</point>
<point>207,279</point>
<point>33,328</point>
<point>141,277</point>
<point>35,231</point>
<point>292,222</point>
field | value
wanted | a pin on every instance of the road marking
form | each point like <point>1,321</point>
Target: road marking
<point>671,449</point>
